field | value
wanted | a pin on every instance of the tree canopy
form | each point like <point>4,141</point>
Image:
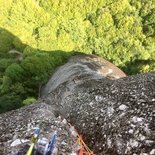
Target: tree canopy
<point>47,32</point>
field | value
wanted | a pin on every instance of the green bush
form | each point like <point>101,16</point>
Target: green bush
<point>4,63</point>
<point>14,72</point>
<point>10,102</point>
<point>29,101</point>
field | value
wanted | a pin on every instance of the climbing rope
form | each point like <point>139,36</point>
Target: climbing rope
<point>84,149</point>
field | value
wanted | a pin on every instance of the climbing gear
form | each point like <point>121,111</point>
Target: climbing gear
<point>51,145</point>
<point>33,140</point>
<point>29,152</point>
<point>42,146</point>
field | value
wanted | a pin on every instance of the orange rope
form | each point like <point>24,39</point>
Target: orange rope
<point>84,148</point>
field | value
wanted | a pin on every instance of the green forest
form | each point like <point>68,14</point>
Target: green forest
<point>36,36</point>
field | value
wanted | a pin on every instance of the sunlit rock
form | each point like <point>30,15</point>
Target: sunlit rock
<point>115,116</point>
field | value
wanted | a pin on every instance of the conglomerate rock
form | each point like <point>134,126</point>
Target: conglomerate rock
<point>115,116</point>
<point>18,126</point>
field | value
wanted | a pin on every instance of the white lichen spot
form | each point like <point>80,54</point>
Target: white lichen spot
<point>83,124</point>
<point>91,104</point>
<point>96,118</point>
<point>110,111</point>
<point>130,131</point>
<point>28,126</point>
<point>102,110</point>
<point>18,141</point>
<point>133,143</point>
<point>153,99</point>
<point>133,126</point>
<point>128,149</point>
<point>146,129</point>
<point>123,107</point>
<point>142,137</point>
<point>64,121</point>
<point>109,143</point>
<point>59,117</point>
<point>149,142</point>
<point>137,119</point>
<point>122,114</point>
<point>98,98</point>
<point>152,152</point>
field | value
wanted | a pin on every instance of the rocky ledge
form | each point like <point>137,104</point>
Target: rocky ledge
<point>115,116</point>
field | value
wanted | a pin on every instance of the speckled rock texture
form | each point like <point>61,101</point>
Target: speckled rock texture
<point>115,117</point>
<point>114,114</point>
<point>19,125</point>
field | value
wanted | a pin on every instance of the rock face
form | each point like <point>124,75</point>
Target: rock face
<point>114,116</point>
<point>83,65</point>
<point>18,126</point>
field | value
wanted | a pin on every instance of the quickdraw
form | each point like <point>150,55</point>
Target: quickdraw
<point>44,147</point>
<point>38,147</point>
<point>34,139</point>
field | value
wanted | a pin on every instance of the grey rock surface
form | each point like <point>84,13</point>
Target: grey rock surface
<point>19,125</point>
<point>115,116</point>
<point>80,65</point>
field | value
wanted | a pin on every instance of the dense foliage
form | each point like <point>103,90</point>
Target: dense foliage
<point>122,31</point>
